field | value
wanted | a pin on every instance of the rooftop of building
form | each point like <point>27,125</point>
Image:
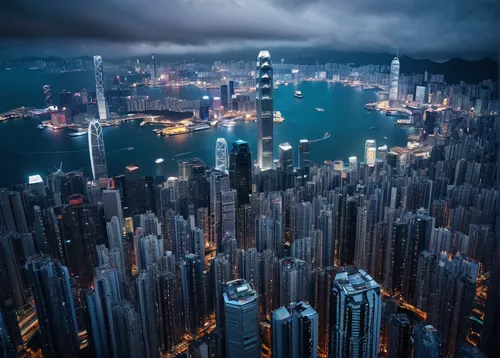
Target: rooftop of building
<point>353,281</point>
<point>239,292</point>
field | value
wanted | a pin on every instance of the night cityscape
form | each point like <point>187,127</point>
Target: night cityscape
<point>175,201</point>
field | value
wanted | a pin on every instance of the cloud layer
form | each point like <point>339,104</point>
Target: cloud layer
<point>425,28</point>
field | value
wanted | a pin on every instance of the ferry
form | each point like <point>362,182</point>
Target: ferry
<point>278,118</point>
<point>40,126</point>
<point>159,160</point>
<point>319,109</point>
<point>198,127</point>
<point>77,134</point>
<point>227,123</point>
<point>386,138</point>
<point>143,123</point>
<point>373,128</point>
<point>297,94</point>
<point>275,87</point>
<point>391,113</point>
<point>370,106</point>
<point>286,83</point>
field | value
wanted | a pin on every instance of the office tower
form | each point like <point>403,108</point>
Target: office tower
<point>269,278</point>
<point>221,155</point>
<point>224,96</point>
<point>420,94</point>
<point>399,339</point>
<point>353,167</point>
<point>107,294</point>
<point>128,332</point>
<point>345,239</point>
<point>221,272</point>
<point>427,342</point>
<point>304,163</point>
<point>265,111</point>
<point>102,106</point>
<point>197,243</point>
<point>219,182</point>
<point>230,88</point>
<point>249,266</point>
<point>112,204</point>
<point>286,163</point>
<point>381,152</point>
<point>146,307</point>
<point>65,99</point>
<point>192,292</point>
<point>12,283</point>
<point>241,305</point>
<point>154,66</point>
<point>149,250</point>
<point>179,235</point>
<point>394,82</point>
<point>370,152</point>
<point>15,215</point>
<point>323,280</point>
<point>240,171</point>
<point>355,308</point>
<point>7,222</point>
<point>50,285</point>
<point>82,228</point>
<point>97,151</point>
<point>47,94</point>
<point>229,212</point>
<point>204,108</point>
<point>294,331</point>
<point>170,310</point>
<point>294,281</point>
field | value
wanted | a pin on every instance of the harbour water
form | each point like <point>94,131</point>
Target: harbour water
<point>25,150</point>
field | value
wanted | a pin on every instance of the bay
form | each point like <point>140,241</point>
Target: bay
<point>25,151</point>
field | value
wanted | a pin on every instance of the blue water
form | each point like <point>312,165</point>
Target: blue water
<point>25,150</point>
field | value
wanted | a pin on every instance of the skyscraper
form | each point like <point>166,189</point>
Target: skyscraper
<point>241,305</point>
<point>355,308</point>
<point>221,154</point>
<point>49,282</point>
<point>370,152</point>
<point>146,306</point>
<point>428,342</point>
<point>205,108</point>
<point>294,331</point>
<point>240,171</point>
<point>399,341</point>
<point>97,151</point>
<point>394,82</point>
<point>102,106</point>
<point>265,113</point>
<point>127,326</point>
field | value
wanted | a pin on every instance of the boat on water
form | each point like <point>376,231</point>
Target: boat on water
<point>297,94</point>
<point>286,83</point>
<point>391,113</point>
<point>278,118</point>
<point>143,123</point>
<point>227,123</point>
<point>373,128</point>
<point>370,107</point>
<point>319,109</point>
<point>159,160</point>
<point>386,138</point>
<point>40,126</point>
<point>77,134</point>
<point>275,87</point>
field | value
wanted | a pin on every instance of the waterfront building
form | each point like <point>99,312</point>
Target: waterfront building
<point>265,112</point>
<point>221,163</point>
<point>394,82</point>
<point>102,105</point>
<point>370,152</point>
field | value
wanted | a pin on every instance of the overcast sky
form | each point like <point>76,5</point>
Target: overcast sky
<point>435,29</point>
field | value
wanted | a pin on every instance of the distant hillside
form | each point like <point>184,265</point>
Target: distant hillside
<point>454,70</point>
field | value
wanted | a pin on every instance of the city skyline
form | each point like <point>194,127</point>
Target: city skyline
<point>264,253</point>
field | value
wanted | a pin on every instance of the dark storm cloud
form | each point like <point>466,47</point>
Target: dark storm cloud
<point>423,28</point>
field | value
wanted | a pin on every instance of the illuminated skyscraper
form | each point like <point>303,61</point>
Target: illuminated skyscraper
<point>264,105</point>
<point>240,171</point>
<point>241,306</point>
<point>294,331</point>
<point>394,82</point>
<point>49,282</point>
<point>355,308</point>
<point>97,151</point>
<point>370,152</point>
<point>102,106</point>
<point>48,95</point>
<point>286,157</point>
<point>221,154</point>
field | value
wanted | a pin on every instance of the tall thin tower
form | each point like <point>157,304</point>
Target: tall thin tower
<point>264,99</point>
<point>99,88</point>
<point>154,66</point>
<point>47,95</point>
<point>221,154</point>
<point>394,82</point>
<point>96,150</point>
